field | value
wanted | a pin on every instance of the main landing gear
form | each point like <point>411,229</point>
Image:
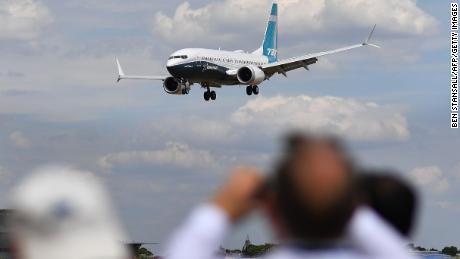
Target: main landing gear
<point>210,95</point>
<point>252,89</point>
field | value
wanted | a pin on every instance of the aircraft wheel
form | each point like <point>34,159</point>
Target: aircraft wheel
<point>249,90</point>
<point>255,90</point>
<point>207,96</point>
<point>213,95</point>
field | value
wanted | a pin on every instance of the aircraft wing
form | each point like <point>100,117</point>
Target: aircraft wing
<point>121,75</point>
<point>283,66</point>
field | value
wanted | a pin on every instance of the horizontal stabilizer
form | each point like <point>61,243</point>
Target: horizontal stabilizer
<point>121,75</point>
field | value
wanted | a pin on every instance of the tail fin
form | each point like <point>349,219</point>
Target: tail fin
<point>269,46</point>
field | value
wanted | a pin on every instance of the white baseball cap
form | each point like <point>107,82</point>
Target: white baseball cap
<point>64,213</point>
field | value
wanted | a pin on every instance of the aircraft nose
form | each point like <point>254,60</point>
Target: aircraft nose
<point>172,62</point>
<point>174,70</point>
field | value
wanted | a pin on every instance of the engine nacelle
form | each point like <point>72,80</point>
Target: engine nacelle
<point>173,86</point>
<point>250,75</point>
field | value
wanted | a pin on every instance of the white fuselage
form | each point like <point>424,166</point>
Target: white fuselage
<point>211,66</point>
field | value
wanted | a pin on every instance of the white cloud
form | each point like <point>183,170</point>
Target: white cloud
<point>219,19</point>
<point>271,116</point>
<point>174,154</point>
<point>403,16</point>
<point>23,19</point>
<point>426,175</point>
<point>115,6</point>
<point>431,177</point>
<point>347,117</point>
<point>19,140</point>
<point>442,186</point>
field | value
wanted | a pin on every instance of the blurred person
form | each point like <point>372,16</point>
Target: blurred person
<point>391,197</point>
<point>309,201</point>
<point>64,213</point>
<point>310,196</point>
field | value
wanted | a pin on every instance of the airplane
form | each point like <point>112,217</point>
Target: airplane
<point>215,68</point>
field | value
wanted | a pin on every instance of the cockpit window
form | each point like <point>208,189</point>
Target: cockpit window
<point>175,57</point>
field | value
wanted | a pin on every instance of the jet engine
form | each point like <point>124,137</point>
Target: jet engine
<point>174,86</point>
<point>250,75</point>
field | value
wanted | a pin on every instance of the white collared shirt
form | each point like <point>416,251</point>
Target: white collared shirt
<point>206,228</point>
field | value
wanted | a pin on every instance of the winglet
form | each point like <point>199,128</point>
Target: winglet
<point>121,74</point>
<point>367,42</point>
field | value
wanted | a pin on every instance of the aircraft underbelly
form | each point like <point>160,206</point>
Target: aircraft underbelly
<point>201,71</point>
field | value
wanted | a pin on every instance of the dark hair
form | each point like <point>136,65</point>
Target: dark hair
<point>304,221</point>
<point>391,197</point>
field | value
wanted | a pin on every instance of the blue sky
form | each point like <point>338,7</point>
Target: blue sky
<point>59,103</point>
